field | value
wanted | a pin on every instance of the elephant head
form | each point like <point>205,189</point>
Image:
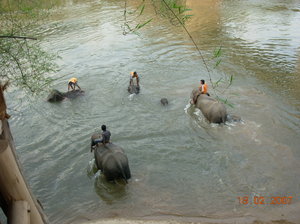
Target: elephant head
<point>213,110</point>
<point>112,161</point>
<point>55,96</point>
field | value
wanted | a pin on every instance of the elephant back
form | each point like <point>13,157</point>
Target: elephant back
<point>112,161</point>
<point>73,94</point>
<point>133,89</point>
<point>115,166</point>
<point>213,110</point>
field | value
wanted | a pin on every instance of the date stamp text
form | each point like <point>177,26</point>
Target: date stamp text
<point>260,200</point>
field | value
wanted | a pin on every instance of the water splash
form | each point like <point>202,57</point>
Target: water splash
<point>131,96</point>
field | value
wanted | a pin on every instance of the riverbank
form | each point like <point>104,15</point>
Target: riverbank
<point>236,221</point>
<point>288,214</point>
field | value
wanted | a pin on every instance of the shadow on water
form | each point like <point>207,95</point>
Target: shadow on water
<point>108,191</point>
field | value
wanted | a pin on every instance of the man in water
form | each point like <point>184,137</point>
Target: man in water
<point>105,137</point>
<point>132,76</point>
<point>73,82</point>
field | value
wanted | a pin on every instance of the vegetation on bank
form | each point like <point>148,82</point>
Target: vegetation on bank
<point>23,62</point>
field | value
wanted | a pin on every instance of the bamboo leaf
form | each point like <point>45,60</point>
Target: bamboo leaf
<point>231,80</point>
<point>225,101</point>
<point>218,62</point>
<point>179,9</point>
<point>142,10</point>
<point>139,26</point>
<point>218,52</point>
<point>175,6</point>
<point>217,82</point>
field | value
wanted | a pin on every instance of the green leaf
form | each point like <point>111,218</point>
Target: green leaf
<point>218,62</point>
<point>139,26</point>
<point>142,10</point>
<point>225,101</point>
<point>217,82</point>
<point>218,52</point>
<point>175,6</point>
<point>231,80</point>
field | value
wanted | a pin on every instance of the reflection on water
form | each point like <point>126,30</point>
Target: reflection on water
<point>181,165</point>
<point>109,192</point>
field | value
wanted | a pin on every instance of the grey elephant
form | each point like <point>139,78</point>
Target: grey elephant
<point>133,89</point>
<point>57,96</point>
<point>111,160</point>
<point>213,110</point>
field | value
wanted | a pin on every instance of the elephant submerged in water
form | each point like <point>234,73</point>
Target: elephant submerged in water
<point>164,101</point>
<point>111,160</point>
<point>213,110</point>
<point>57,96</point>
<point>133,89</point>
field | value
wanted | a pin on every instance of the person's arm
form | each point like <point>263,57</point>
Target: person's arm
<point>77,85</point>
<point>201,89</point>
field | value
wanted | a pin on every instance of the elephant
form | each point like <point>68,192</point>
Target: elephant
<point>57,96</point>
<point>133,89</point>
<point>111,160</point>
<point>213,110</point>
<point>164,101</point>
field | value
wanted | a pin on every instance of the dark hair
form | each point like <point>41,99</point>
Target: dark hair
<point>202,81</point>
<point>134,73</point>
<point>103,127</point>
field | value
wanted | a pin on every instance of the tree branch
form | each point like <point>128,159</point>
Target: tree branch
<point>192,39</point>
<point>19,37</point>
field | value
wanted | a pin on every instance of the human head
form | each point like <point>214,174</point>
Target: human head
<point>134,72</point>
<point>103,127</point>
<point>202,81</point>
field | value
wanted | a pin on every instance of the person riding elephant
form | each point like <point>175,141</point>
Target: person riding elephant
<point>110,158</point>
<point>105,137</point>
<point>213,110</point>
<point>203,89</point>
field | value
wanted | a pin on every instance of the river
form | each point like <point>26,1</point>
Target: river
<point>182,167</point>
